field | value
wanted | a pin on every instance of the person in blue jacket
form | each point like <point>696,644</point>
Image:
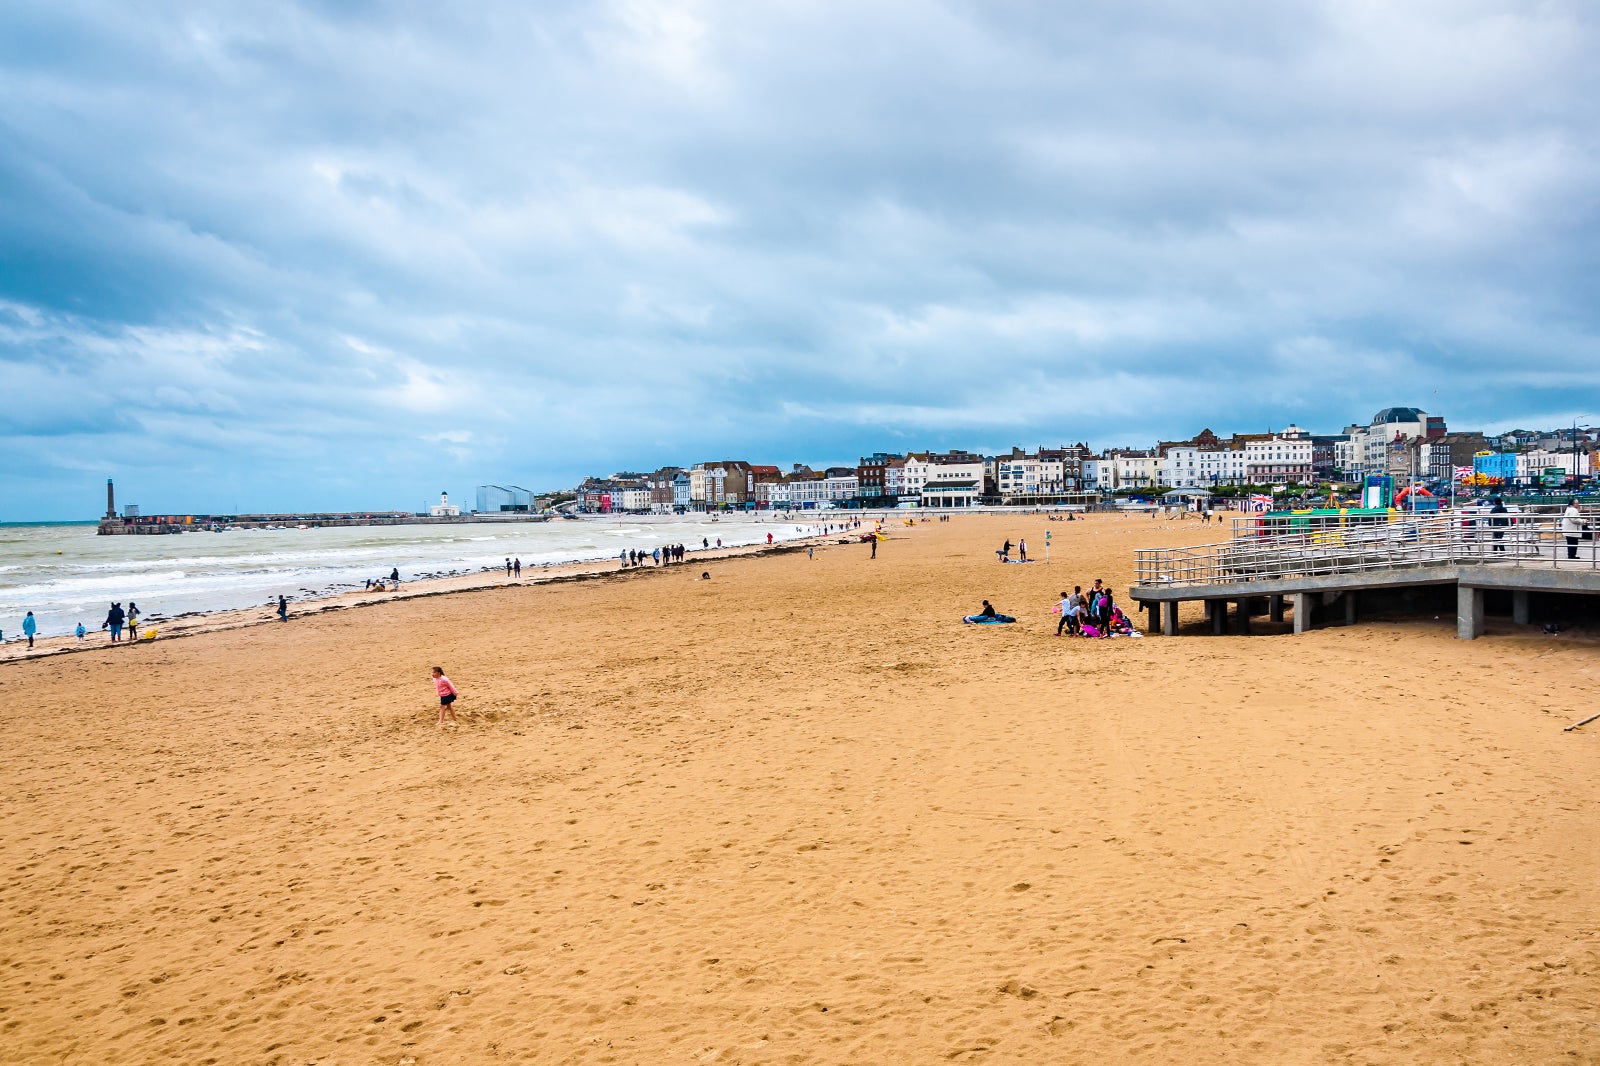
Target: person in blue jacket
<point>29,627</point>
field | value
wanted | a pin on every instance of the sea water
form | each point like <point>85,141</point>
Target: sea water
<point>67,573</point>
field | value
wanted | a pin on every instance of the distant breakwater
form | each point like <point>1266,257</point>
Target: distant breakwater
<point>153,525</point>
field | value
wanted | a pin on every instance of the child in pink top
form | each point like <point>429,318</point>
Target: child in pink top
<point>447,694</point>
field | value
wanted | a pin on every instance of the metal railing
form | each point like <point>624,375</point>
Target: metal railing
<point>1311,546</point>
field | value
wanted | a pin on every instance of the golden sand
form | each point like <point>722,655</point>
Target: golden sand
<point>800,814</point>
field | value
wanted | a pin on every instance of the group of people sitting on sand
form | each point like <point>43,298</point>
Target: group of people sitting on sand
<point>1083,614</point>
<point>1092,614</point>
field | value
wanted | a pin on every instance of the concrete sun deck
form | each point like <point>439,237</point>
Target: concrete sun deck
<point>1471,580</point>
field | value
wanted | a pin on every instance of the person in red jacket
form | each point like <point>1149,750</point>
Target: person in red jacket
<point>447,694</point>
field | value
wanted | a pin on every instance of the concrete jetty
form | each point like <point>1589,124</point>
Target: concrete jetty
<point>1326,569</point>
<point>171,523</point>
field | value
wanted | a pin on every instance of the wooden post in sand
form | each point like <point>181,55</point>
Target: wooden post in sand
<point>1169,618</point>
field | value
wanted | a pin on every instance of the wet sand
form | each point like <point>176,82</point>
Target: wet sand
<point>800,814</point>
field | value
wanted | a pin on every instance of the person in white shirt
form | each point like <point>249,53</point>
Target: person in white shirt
<point>1572,527</point>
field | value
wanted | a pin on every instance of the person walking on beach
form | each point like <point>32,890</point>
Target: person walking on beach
<point>29,627</point>
<point>447,694</point>
<point>133,622</point>
<point>508,566</point>
<point>874,547</point>
<point>394,575</point>
<point>283,608</point>
<point>516,569</point>
<point>1005,551</point>
<point>81,632</point>
<point>1022,550</point>
<point>113,622</point>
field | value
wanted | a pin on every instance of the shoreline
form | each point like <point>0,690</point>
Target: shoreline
<point>196,623</point>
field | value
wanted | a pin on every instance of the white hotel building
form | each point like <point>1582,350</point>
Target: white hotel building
<point>1282,457</point>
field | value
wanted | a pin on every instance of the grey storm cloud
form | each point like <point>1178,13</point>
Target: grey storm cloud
<point>319,250</point>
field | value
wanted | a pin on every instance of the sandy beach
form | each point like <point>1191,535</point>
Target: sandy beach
<point>800,814</point>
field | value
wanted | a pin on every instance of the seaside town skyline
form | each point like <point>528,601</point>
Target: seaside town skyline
<point>1401,441</point>
<point>319,257</point>
<point>1405,442</point>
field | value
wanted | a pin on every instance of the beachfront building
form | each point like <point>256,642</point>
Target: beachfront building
<point>921,467</point>
<point>1398,441</point>
<point>1047,474</point>
<point>957,483</point>
<point>1203,461</point>
<point>1280,457</point>
<point>894,479</point>
<point>680,491</point>
<point>495,499</point>
<point>444,508</point>
<point>1538,464</point>
<point>915,474</point>
<point>661,491</point>
<point>721,485</point>
<point>872,474</point>
<point>806,489</point>
<point>1132,468</point>
<point>633,499</point>
<point>1325,455</point>
<point>620,492</point>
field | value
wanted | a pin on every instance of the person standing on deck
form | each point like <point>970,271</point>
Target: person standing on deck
<point>1497,522</point>
<point>1572,526</point>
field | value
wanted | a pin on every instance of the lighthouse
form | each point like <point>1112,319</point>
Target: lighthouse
<point>444,508</point>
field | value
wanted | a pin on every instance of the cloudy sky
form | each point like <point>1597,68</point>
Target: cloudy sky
<point>321,255</point>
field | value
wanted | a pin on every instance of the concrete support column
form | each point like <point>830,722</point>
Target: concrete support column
<point>1243,617</point>
<point>1519,607</point>
<point>1350,607</point>
<point>1469,612</point>
<point>1153,623</point>
<point>1302,611</point>
<point>1275,608</point>
<point>1169,618</point>
<point>1218,610</point>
